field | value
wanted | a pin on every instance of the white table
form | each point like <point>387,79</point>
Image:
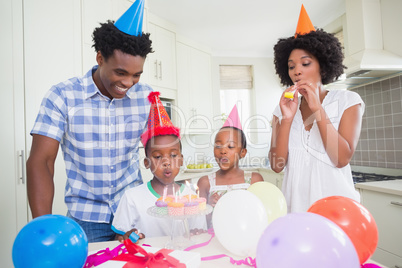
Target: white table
<point>214,248</point>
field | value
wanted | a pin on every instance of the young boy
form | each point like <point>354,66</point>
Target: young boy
<point>163,156</point>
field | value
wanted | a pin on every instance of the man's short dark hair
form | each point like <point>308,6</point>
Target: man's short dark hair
<point>324,46</point>
<point>108,38</point>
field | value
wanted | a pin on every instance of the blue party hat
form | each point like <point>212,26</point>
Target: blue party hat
<point>131,21</point>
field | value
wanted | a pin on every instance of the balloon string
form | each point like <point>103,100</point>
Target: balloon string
<point>211,232</point>
<point>103,256</point>
<point>247,261</point>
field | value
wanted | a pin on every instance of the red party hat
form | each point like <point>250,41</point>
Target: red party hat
<point>159,123</point>
<point>304,25</point>
<point>233,119</point>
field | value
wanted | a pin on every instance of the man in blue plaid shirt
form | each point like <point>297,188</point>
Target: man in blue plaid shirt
<point>97,119</point>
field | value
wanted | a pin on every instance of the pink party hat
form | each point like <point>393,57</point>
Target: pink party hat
<point>233,120</point>
<point>131,21</point>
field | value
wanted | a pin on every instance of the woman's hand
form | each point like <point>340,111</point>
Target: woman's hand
<point>289,106</point>
<point>121,238</point>
<point>311,93</point>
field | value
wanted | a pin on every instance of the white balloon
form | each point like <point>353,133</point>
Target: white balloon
<point>239,219</point>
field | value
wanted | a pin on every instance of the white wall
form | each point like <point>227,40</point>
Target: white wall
<point>266,94</point>
<point>391,22</point>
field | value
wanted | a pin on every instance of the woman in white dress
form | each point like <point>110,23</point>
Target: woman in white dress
<point>315,133</point>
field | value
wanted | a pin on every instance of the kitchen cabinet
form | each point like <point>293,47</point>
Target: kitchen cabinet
<point>13,199</point>
<point>54,31</point>
<point>30,33</point>
<point>194,105</point>
<point>386,209</point>
<point>162,63</point>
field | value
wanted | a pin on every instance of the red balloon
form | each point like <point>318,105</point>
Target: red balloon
<point>354,219</point>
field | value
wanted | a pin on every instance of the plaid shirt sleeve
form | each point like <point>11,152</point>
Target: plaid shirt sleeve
<point>51,119</point>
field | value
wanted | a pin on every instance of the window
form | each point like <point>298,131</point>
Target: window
<point>236,76</point>
<point>236,84</point>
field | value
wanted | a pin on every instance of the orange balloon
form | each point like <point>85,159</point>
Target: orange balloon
<point>354,219</point>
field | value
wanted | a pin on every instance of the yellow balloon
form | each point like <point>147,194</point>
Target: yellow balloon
<point>272,198</point>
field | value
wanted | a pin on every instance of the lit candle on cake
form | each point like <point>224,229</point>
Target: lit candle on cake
<point>197,191</point>
<point>174,193</point>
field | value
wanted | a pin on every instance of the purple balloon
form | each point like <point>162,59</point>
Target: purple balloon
<point>305,240</point>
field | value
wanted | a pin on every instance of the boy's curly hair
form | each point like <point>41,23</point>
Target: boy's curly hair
<point>324,46</point>
<point>107,38</point>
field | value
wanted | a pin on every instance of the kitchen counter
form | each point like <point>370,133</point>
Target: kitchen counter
<point>194,176</point>
<point>384,201</point>
<point>389,187</point>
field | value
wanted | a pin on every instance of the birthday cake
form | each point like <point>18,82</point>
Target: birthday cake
<point>177,206</point>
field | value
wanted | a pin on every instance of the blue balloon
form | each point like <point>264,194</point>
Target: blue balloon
<point>50,241</point>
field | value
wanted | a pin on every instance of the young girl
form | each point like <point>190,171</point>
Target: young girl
<point>229,148</point>
<point>315,135</point>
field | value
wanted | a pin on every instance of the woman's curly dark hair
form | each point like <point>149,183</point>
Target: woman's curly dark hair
<point>324,46</point>
<point>107,38</point>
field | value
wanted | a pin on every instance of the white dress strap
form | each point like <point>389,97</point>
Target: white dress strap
<point>247,176</point>
<point>212,179</point>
